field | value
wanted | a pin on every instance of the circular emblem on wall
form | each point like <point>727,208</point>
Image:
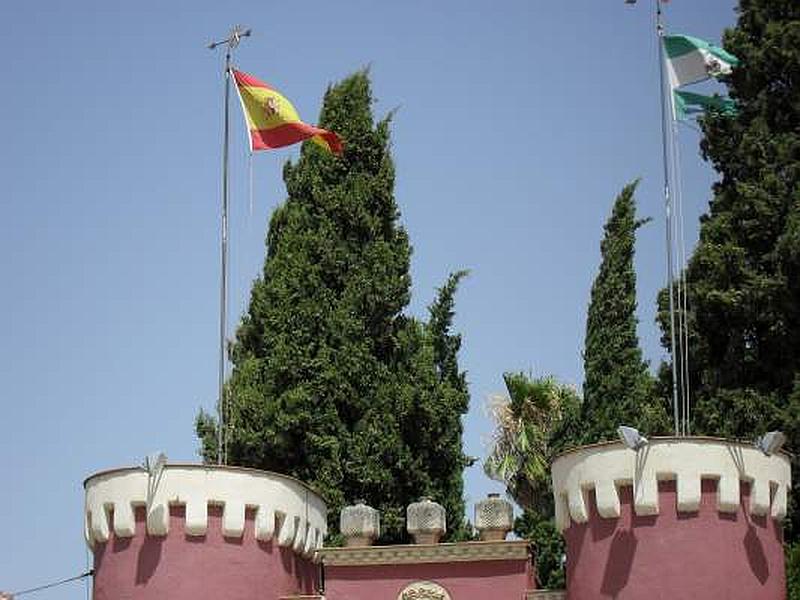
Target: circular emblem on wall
<point>423,590</point>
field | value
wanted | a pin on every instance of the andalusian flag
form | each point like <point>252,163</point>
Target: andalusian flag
<point>272,120</point>
<point>691,59</point>
<point>688,103</point>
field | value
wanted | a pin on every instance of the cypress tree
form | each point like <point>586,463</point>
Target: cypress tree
<point>618,388</point>
<point>743,279</point>
<point>331,382</point>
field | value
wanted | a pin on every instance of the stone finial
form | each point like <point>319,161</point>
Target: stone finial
<point>426,521</point>
<point>360,524</point>
<point>494,518</point>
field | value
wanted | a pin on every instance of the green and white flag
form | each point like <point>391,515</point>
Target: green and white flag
<point>685,104</point>
<point>690,59</point>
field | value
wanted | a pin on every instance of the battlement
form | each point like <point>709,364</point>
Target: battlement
<point>284,508</point>
<point>605,468</point>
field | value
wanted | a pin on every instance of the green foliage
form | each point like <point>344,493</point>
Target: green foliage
<point>525,421</point>
<point>331,382</point>
<point>529,425</point>
<point>744,276</point>
<point>541,417</point>
<point>793,571</point>
<point>618,388</point>
<point>549,548</point>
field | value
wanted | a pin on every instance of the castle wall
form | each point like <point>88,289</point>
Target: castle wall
<point>469,570</point>
<point>178,566</point>
<point>202,532</point>
<point>677,519</point>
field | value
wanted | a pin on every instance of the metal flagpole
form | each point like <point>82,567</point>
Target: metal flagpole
<point>237,33</point>
<point>663,88</point>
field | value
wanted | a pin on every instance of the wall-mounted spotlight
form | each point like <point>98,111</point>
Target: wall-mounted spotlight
<point>631,437</point>
<point>154,464</point>
<point>771,442</point>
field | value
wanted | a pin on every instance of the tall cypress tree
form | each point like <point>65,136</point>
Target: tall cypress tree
<point>331,383</point>
<point>618,388</point>
<point>744,276</point>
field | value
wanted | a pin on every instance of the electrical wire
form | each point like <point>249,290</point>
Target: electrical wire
<point>39,588</point>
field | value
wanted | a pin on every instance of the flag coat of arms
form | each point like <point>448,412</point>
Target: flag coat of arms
<point>690,59</point>
<point>272,120</point>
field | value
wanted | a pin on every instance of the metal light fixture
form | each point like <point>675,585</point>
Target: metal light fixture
<point>154,464</point>
<point>771,442</point>
<point>631,437</point>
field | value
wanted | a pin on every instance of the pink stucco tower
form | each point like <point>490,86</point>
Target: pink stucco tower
<point>678,518</point>
<point>195,531</point>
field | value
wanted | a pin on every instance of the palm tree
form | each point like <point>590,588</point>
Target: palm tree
<point>527,420</point>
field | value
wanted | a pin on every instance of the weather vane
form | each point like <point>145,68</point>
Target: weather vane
<point>236,35</point>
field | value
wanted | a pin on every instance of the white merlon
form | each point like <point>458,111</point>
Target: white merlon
<point>284,507</point>
<point>607,467</point>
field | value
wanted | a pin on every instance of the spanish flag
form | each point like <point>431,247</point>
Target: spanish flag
<point>273,121</point>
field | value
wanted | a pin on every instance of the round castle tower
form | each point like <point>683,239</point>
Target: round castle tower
<point>678,518</point>
<point>198,531</point>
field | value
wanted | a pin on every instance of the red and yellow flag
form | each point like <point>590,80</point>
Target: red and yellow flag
<point>273,121</point>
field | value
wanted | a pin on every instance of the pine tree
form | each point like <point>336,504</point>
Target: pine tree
<point>743,279</point>
<point>618,388</point>
<point>331,383</point>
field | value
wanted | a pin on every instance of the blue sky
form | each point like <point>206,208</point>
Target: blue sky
<point>518,123</point>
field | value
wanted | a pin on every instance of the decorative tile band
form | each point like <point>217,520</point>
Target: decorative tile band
<point>606,467</point>
<point>284,507</point>
<point>426,553</point>
<point>546,595</point>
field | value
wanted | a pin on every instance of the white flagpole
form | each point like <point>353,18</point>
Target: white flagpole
<point>237,33</point>
<point>665,130</point>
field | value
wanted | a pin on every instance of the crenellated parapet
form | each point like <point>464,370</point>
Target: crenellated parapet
<point>680,515</point>
<point>285,509</point>
<point>606,468</point>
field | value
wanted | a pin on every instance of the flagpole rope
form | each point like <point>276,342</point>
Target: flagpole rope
<point>677,282</point>
<point>684,275</point>
<point>680,240</point>
<point>250,180</point>
<point>695,129</point>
